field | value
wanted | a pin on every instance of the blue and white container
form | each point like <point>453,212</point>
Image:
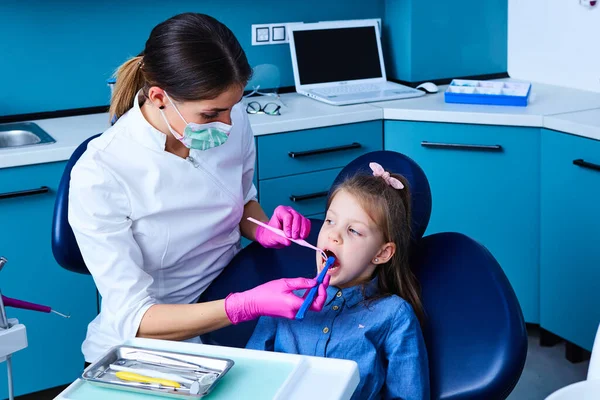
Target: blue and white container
<point>486,92</point>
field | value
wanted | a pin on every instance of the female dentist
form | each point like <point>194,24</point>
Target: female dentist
<point>158,201</point>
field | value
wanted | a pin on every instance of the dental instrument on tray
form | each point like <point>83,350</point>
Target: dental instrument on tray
<point>313,291</point>
<point>194,385</point>
<point>135,377</point>
<point>152,373</point>
<point>170,362</point>
<point>10,302</point>
<point>281,233</point>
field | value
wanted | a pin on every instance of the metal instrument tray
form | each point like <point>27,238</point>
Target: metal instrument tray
<point>207,371</point>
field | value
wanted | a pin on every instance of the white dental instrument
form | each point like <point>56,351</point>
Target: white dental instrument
<point>281,233</point>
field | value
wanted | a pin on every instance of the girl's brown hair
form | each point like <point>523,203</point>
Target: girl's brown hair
<point>390,209</point>
<point>191,56</point>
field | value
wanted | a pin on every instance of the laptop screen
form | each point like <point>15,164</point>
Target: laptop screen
<point>337,54</point>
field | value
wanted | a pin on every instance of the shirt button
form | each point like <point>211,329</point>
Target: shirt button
<point>339,294</point>
<point>325,330</point>
<point>335,308</point>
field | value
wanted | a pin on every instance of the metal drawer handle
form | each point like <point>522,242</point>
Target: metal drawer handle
<point>586,164</point>
<point>297,154</point>
<point>22,193</point>
<point>458,146</point>
<point>310,196</point>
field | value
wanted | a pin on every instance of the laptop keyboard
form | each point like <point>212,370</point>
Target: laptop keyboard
<point>347,89</point>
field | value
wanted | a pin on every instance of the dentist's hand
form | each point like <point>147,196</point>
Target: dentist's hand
<point>273,299</point>
<point>290,221</point>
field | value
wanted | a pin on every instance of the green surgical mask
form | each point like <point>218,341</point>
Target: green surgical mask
<point>199,136</point>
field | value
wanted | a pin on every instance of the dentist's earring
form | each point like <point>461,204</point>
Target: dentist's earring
<point>377,260</point>
<point>161,107</point>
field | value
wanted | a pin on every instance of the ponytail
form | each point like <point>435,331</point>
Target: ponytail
<point>130,79</point>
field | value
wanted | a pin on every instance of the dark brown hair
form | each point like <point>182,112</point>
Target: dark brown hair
<point>390,209</point>
<point>191,56</point>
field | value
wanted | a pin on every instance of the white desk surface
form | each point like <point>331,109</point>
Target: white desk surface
<point>544,100</point>
<point>582,123</point>
<point>324,378</point>
<point>552,107</point>
<point>584,390</point>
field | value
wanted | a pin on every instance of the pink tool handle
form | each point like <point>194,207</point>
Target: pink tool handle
<point>279,232</point>
<point>9,302</point>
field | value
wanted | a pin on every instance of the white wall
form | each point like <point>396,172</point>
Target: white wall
<point>555,42</point>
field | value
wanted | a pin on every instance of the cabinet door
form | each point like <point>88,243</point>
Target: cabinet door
<point>485,183</point>
<point>316,149</point>
<point>31,274</point>
<point>570,237</point>
<point>306,193</point>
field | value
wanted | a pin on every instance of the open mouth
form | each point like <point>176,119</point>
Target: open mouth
<point>336,265</point>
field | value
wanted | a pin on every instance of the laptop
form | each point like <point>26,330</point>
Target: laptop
<point>341,62</point>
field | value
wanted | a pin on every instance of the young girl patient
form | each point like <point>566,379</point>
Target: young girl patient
<point>373,308</point>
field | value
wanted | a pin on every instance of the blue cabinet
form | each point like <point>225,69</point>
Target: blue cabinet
<point>570,236</point>
<point>31,274</point>
<point>298,168</point>
<point>485,183</point>
<point>306,193</point>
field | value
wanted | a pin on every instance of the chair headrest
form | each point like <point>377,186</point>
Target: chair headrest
<point>64,246</point>
<point>397,163</point>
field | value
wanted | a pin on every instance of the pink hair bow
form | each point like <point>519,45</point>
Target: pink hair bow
<point>390,180</point>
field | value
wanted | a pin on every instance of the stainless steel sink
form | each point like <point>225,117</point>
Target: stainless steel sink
<point>21,134</point>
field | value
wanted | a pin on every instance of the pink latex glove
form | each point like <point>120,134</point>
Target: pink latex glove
<point>287,219</point>
<point>273,299</point>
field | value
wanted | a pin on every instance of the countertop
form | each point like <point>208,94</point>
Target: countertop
<point>563,109</point>
<point>544,101</point>
<point>582,123</point>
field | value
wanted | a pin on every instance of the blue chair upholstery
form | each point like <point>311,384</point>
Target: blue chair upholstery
<point>64,246</point>
<point>475,332</point>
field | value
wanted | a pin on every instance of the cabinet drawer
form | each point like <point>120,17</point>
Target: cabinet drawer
<point>32,274</point>
<point>306,193</point>
<point>570,227</point>
<point>316,149</point>
<point>29,180</point>
<point>484,183</point>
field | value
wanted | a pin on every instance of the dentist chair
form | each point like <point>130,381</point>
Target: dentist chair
<point>475,332</point>
<point>64,246</point>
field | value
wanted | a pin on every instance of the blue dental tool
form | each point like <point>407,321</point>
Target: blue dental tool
<point>313,291</point>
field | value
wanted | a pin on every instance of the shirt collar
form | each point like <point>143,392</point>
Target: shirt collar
<point>353,295</point>
<point>142,131</point>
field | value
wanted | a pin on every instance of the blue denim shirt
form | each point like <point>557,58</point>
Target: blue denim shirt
<point>383,336</point>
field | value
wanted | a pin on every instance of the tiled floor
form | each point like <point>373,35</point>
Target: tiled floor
<point>546,370</point>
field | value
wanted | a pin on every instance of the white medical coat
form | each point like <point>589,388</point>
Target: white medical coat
<point>154,227</point>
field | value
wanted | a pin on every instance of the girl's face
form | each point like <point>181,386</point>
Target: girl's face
<point>355,240</point>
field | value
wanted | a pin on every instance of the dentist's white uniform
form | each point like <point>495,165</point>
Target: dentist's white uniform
<point>153,227</point>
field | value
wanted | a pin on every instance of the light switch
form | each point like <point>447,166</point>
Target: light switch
<point>262,34</point>
<point>278,33</point>
<point>267,34</point>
